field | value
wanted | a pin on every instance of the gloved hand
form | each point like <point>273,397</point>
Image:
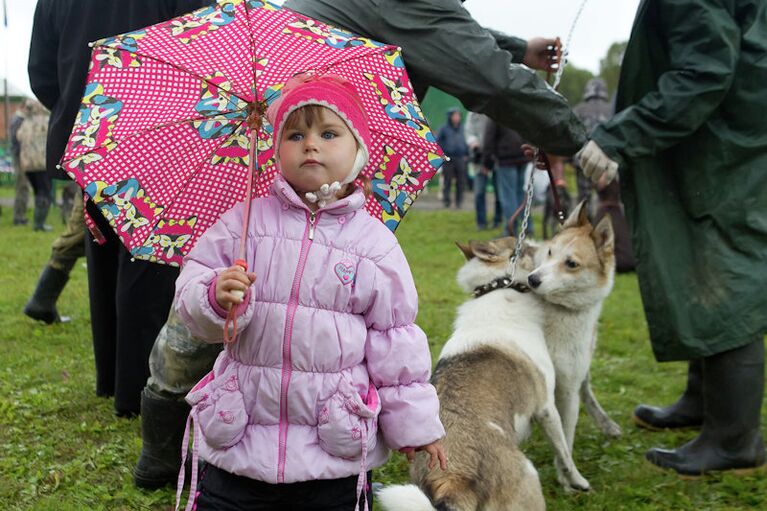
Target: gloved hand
<point>595,163</point>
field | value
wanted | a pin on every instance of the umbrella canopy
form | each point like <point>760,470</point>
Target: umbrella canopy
<point>161,142</point>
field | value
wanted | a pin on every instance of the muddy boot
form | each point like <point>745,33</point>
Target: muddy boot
<point>42,305</point>
<point>162,431</point>
<point>731,438</point>
<point>687,412</point>
<point>42,205</point>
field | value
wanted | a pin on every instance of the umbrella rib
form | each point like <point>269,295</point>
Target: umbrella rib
<point>172,201</point>
<point>400,139</point>
<point>252,47</point>
<point>180,68</point>
<point>154,128</point>
<point>381,49</point>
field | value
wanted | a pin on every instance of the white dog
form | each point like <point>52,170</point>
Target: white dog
<point>574,275</point>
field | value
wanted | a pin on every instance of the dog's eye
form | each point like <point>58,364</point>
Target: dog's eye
<point>549,252</point>
<point>571,264</point>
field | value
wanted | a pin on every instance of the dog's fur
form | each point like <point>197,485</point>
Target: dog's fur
<point>574,275</point>
<point>493,377</point>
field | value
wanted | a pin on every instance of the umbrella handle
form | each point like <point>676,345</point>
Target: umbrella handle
<point>231,316</point>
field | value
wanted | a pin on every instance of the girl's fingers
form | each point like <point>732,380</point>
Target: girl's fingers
<point>410,456</point>
<point>434,458</point>
<point>442,460</point>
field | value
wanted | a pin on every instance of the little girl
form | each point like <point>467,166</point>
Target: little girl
<point>329,370</point>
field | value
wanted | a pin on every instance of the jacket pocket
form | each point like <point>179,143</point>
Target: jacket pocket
<point>219,409</point>
<point>347,424</point>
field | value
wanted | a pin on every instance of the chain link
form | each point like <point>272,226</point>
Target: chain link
<point>525,218</point>
<point>566,51</point>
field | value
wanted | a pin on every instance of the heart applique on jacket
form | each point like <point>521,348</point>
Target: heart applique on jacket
<point>345,271</point>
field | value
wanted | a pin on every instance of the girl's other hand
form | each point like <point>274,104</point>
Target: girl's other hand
<point>435,451</point>
<point>232,279</point>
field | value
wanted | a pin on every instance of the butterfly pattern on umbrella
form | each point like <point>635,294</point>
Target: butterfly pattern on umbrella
<point>204,117</point>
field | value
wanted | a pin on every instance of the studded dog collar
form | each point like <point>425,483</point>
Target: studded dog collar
<point>500,283</point>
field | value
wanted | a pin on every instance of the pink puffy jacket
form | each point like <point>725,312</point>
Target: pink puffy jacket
<point>329,368</point>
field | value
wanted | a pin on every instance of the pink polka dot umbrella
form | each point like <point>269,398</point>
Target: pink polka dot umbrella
<point>162,141</point>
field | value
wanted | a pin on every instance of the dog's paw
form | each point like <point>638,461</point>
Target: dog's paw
<point>610,428</point>
<point>570,479</point>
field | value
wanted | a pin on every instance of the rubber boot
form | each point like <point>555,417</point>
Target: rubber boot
<point>42,205</point>
<point>731,438</point>
<point>42,305</point>
<point>162,431</point>
<point>686,413</point>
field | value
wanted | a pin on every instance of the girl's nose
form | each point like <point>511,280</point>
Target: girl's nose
<point>310,143</point>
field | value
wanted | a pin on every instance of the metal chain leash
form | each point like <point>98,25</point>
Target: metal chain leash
<point>525,220</point>
<point>531,180</point>
<point>566,50</point>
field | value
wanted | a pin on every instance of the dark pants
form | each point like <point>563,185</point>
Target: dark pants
<point>454,171</point>
<point>129,304</point>
<point>41,183</point>
<point>511,188</point>
<point>480,204</point>
<point>220,490</point>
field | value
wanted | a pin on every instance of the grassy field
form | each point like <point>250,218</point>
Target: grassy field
<point>61,448</point>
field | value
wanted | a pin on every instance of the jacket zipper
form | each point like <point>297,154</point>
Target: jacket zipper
<point>286,340</point>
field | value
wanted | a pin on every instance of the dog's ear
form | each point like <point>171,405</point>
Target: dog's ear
<point>530,248</point>
<point>485,250</point>
<point>603,236</point>
<point>466,249</point>
<point>579,217</point>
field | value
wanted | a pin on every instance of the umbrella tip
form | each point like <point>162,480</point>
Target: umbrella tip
<point>59,166</point>
<point>90,45</point>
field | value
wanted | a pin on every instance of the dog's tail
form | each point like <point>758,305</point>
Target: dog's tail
<point>404,497</point>
<point>451,493</point>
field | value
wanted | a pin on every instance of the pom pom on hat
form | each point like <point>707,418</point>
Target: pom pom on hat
<point>332,92</point>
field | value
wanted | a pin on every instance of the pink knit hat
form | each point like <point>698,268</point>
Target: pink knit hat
<point>330,91</point>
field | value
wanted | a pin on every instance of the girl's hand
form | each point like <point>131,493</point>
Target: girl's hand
<point>232,279</point>
<point>435,451</point>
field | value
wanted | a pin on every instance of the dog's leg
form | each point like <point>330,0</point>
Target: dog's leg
<point>568,405</point>
<point>605,424</point>
<point>567,473</point>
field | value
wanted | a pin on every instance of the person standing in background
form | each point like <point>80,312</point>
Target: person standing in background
<point>474,131</point>
<point>451,140</point>
<point>21,196</point>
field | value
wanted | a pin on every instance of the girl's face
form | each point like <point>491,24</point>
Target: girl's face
<point>316,148</point>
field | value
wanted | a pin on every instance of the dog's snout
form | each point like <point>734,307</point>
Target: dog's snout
<point>534,280</point>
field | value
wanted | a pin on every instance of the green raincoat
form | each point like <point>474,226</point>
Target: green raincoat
<point>691,139</point>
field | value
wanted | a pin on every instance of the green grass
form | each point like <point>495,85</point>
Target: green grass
<point>61,448</point>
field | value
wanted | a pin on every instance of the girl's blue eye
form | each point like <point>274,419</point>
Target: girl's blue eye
<point>328,135</point>
<point>295,137</point>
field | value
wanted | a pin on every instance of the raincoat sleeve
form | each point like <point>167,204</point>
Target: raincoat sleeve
<point>445,47</point>
<point>514,45</point>
<point>43,54</point>
<point>195,287</point>
<point>703,44</point>
<point>398,358</point>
